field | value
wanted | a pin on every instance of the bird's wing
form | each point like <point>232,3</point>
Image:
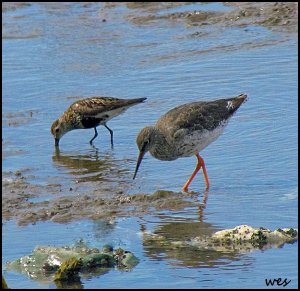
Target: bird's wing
<point>98,106</point>
<point>196,116</point>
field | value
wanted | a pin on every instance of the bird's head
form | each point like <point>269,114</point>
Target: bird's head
<point>144,142</point>
<point>57,130</point>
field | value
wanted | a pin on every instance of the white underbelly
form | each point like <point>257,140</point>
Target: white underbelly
<point>107,115</point>
<point>199,140</point>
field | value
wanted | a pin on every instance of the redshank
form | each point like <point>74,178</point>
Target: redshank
<point>89,113</point>
<point>185,130</point>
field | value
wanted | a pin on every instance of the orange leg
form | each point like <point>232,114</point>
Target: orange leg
<point>200,165</point>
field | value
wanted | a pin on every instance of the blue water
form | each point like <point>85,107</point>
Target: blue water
<point>54,51</point>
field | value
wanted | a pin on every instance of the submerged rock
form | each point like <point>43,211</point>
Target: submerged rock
<point>69,270</point>
<point>244,237</point>
<point>4,285</point>
<point>257,235</point>
<point>66,262</point>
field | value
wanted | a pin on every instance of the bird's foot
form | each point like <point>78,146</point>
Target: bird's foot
<point>185,189</point>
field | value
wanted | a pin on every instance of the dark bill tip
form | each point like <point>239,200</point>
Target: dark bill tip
<point>56,142</point>
<point>141,155</point>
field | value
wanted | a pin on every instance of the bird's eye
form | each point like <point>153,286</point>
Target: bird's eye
<point>57,129</point>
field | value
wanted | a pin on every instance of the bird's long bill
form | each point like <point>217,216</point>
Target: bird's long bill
<point>141,155</point>
<point>56,142</point>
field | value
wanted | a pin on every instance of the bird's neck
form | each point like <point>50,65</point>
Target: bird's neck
<point>65,124</point>
<point>161,148</point>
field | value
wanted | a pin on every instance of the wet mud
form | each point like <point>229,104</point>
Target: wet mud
<point>7,6</point>
<point>18,118</point>
<point>274,15</point>
<point>24,202</point>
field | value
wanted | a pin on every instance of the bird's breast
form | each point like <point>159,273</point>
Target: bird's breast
<point>163,155</point>
<point>164,151</point>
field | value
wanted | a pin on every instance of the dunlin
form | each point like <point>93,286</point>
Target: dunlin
<point>185,130</point>
<point>89,113</point>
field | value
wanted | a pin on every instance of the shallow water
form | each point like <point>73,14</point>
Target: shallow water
<point>55,52</point>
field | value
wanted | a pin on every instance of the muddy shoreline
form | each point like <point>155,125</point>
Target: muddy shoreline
<point>273,15</point>
<point>64,205</point>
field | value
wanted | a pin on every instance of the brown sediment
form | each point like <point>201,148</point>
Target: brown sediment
<point>16,29</point>
<point>154,6</point>
<point>200,17</point>
<point>18,118</point>
<point>16,195</point>
<point>24,202</point>
<point>7,6</point>
<point>11,152</point>
<point>274,15</point>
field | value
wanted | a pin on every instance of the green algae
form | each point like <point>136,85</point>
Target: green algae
<point>63,264</point>
<point>69,270</point>
<point>4,285</point>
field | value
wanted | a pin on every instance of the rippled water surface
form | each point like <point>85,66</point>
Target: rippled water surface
<point>54,54</point>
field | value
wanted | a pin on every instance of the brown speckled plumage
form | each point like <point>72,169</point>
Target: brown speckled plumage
<point>187,129</point>
<point>90,113</point>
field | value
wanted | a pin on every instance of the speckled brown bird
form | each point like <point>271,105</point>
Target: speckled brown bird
<point>185,130</point>
<point>90,113</point>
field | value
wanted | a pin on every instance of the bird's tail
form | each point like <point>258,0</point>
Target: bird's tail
<point>233,104</point>
<point>137,100</point>
<point>237,101</point>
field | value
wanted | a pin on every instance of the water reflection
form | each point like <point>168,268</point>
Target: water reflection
<point>171,242</point>
<point>89,167</point>
<point>103,228</point>
<point>196,244</point>
<point>202,205</point>
<point>69,285</point>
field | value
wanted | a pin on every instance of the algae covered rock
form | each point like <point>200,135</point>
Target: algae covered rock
<point>245,238</point>
<point>259,235</point>
<point>240,239</point>
<point>65,263</point>
<point>125,258</point>
<point>69,270</point>
<point>4,285</point>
